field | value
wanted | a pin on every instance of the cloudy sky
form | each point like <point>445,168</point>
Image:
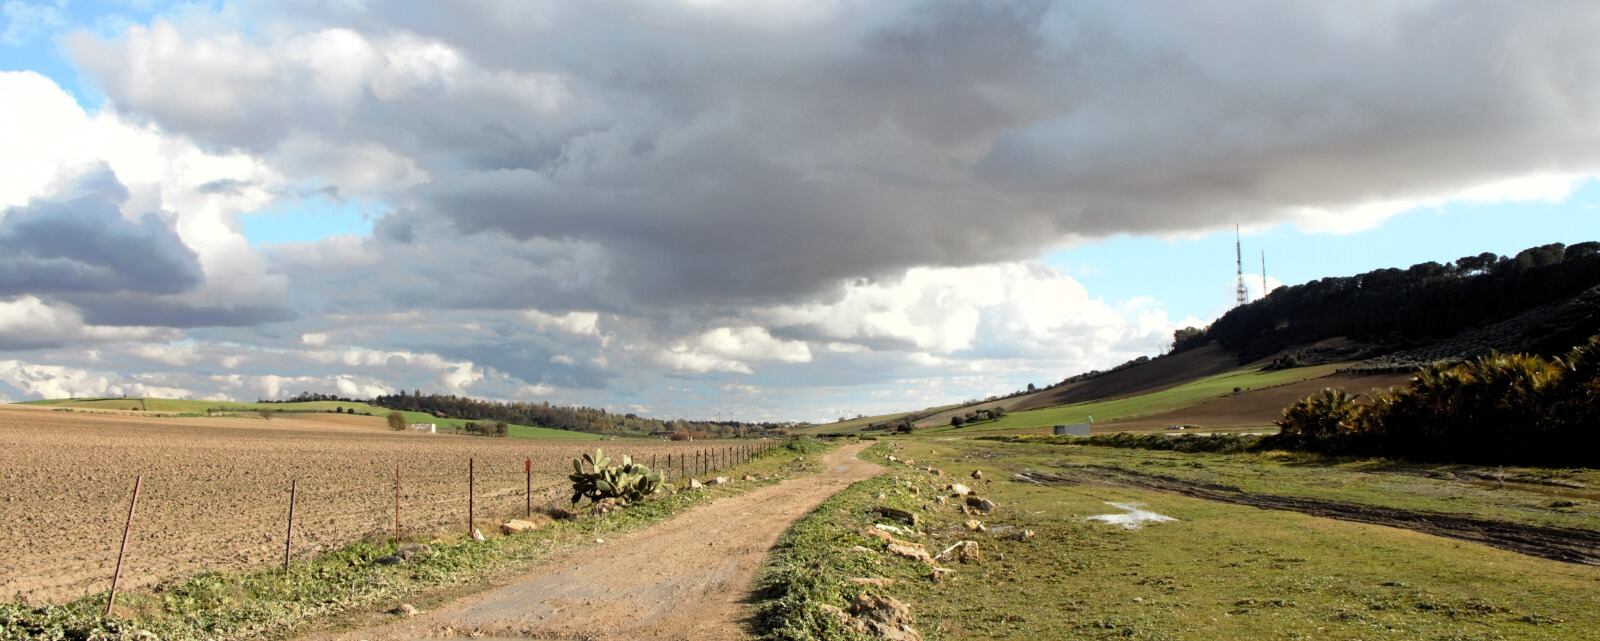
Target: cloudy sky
<point>741,208</point>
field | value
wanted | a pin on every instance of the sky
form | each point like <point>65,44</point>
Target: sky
<point>762,210</point>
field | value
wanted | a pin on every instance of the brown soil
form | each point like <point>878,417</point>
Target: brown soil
<point>215,490</point>
<point>1560,544</point>
<point>1157,374</point>
<point>1255,408</point>
<point>688,578</point>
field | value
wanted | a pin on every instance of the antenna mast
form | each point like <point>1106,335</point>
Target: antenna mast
<point>1241,294</point>
<point>1263,273</point>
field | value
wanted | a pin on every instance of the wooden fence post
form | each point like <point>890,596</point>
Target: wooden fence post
<point>527,470</point>
<point>397,503</point>
<point>126,526</point>
<point>288,535</point>
<point>472,482</point>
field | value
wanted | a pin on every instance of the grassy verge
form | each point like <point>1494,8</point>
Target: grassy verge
<point>1219,572</point>
<point>272,603</point>
<point>1534,496</point>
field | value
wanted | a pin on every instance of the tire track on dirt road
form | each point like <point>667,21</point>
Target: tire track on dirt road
<point>690,577</point>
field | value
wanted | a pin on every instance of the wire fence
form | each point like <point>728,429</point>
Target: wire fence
<point>200,520</point>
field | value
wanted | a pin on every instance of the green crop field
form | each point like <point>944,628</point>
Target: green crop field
<point>185,406</point>
<point>1172,398</point>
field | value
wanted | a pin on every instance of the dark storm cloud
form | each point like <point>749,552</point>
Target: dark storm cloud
<point>79,243</point>
<point>122,309</point>
<point>749,153</point>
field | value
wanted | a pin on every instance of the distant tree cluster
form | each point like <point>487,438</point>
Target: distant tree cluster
<point>977,416</point>
<point>308,397</point>
<point>1426,301</point>
<point>1501,408</point>
<point>581,419</point>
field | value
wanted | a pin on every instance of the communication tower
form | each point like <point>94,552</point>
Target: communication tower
<point>1241,294</point>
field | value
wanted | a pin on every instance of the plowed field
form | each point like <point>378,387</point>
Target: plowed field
<point>215,490</point>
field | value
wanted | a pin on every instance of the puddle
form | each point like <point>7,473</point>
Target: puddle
<point>1133,518</point>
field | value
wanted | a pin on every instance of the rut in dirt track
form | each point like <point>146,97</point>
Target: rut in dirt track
<point>1560,544</point>
<point>690,577</point>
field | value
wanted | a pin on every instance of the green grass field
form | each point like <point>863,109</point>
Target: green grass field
<point>184,406</point>
<point>855,425</point>
<point>1172,398</point>
<point>1220,572</point>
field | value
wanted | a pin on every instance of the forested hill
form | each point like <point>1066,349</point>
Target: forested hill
<point>582,419</point>
<point>1406,307</point>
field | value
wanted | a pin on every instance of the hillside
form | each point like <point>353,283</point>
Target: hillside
<point>1394,309</point>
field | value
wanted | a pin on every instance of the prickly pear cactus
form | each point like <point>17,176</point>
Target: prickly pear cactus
<point>596,479</point>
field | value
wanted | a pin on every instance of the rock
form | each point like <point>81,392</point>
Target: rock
<point>980,504</point>
<point>405,552</point>
<point>892,458</point>
<point>935,471</point>
<point>958,489</point>
<point>1023,535</point>
<point>884,617</point>
<point>838,613</point>
<point>893,529</point>
<point>404,610</point>
<point>859,549</point>
<point>907,517</point>
<point>695,484</point>
<point>606,506</point>
<point>937,575</point>
<point>974,525</point>
<point>913,551</point>
<point>518,526</point>
<point>748,477</point>
<point>977,474</point>
<point>388,560</point>
<point>1563,503</point>
<point>911,463</point>
<point>874,582</point>
<point>964,551</point>
<point>477,535</point>
<point>939,499</point>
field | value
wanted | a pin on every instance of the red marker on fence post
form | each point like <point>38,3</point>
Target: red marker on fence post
<point>133,505</point>
<point>527,470</point>
<point>288,535</point>
<point>472,482</point>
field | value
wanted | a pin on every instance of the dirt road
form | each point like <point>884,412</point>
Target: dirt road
<point>687,578</point>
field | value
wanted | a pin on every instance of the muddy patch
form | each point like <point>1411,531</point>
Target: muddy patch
<point>1132,517</point>
<point>1560,544</point>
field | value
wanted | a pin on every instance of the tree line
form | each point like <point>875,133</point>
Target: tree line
<point>576,418</point>
<point>1425,301</point>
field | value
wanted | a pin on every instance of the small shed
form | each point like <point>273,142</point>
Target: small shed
<point>429,428</point>
<point>1076,429</point>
